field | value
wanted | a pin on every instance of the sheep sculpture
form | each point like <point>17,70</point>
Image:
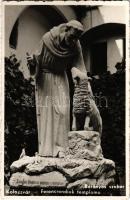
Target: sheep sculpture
<point>84,104</point>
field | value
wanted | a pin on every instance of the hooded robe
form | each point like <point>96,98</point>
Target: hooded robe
<point>52,90</point>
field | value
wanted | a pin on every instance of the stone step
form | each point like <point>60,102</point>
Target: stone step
<point>71,169</point>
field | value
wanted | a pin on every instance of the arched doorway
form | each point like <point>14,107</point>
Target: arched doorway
<point>104,46</point>
<point>29,28</point>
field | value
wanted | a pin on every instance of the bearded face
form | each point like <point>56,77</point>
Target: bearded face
<point>72,35</point>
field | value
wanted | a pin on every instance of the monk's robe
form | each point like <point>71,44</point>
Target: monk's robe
<point>52,89</point>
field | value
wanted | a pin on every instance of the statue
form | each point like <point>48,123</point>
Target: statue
<point>84,105</point>
<point>59,50</point>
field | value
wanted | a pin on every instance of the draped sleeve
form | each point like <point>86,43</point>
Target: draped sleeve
<point>78,66</point>
<point>34,69</point>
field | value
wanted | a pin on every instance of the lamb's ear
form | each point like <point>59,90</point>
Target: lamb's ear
<point>66,28</point>
<point>89,79</point>
<point>76,80</point>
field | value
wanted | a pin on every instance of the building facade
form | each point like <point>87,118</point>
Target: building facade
<point>103,42</point>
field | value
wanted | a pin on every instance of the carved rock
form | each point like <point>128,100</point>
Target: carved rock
<point>105,182</point>
<point>71,168</point>
<point>106,165</point>
<point>84,145</point>
<point>75,171</point>
<point>18,165</point>
<point>83,166</point>
<point>82,183</point>
<point>110,174</point>
<point>52,179</point>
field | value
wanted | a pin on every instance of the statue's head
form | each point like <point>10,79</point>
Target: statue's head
<point>74,30</point>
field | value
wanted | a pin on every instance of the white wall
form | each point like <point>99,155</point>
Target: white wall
<point>67,12</point>
<point>92,19</point>
<point>104,14</point>
<point>114,14</point>
<point>114,53</point>
<point>32,26</point>
<point>11,15</point>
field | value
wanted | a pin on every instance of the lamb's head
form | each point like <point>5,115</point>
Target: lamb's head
<point>79,77</point>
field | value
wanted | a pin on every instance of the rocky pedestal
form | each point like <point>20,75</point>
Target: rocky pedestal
<point>85,145</point>
<point>83,166</point>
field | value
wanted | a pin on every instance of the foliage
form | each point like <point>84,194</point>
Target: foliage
<point>110,90</point>
<point>20,114</point>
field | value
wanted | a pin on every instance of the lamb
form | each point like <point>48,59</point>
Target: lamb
<point>84,104</point>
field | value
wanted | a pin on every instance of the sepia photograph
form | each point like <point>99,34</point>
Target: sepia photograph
<point>65,87</point>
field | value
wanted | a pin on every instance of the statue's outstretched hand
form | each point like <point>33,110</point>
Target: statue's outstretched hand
<point>30,60</point>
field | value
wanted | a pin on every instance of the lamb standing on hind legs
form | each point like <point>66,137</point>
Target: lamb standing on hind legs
<point>84,105</point>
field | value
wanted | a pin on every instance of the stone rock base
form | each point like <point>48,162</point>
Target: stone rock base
<point>51,179</point>
<point>83,166</point>
<point>62,173</point>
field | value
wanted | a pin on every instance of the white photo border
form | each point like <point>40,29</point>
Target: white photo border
<point>127,139</point>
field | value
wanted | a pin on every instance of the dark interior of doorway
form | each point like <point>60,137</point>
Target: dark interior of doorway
<point>99,58</point>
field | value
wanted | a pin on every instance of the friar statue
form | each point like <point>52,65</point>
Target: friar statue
<point>59,51</point>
